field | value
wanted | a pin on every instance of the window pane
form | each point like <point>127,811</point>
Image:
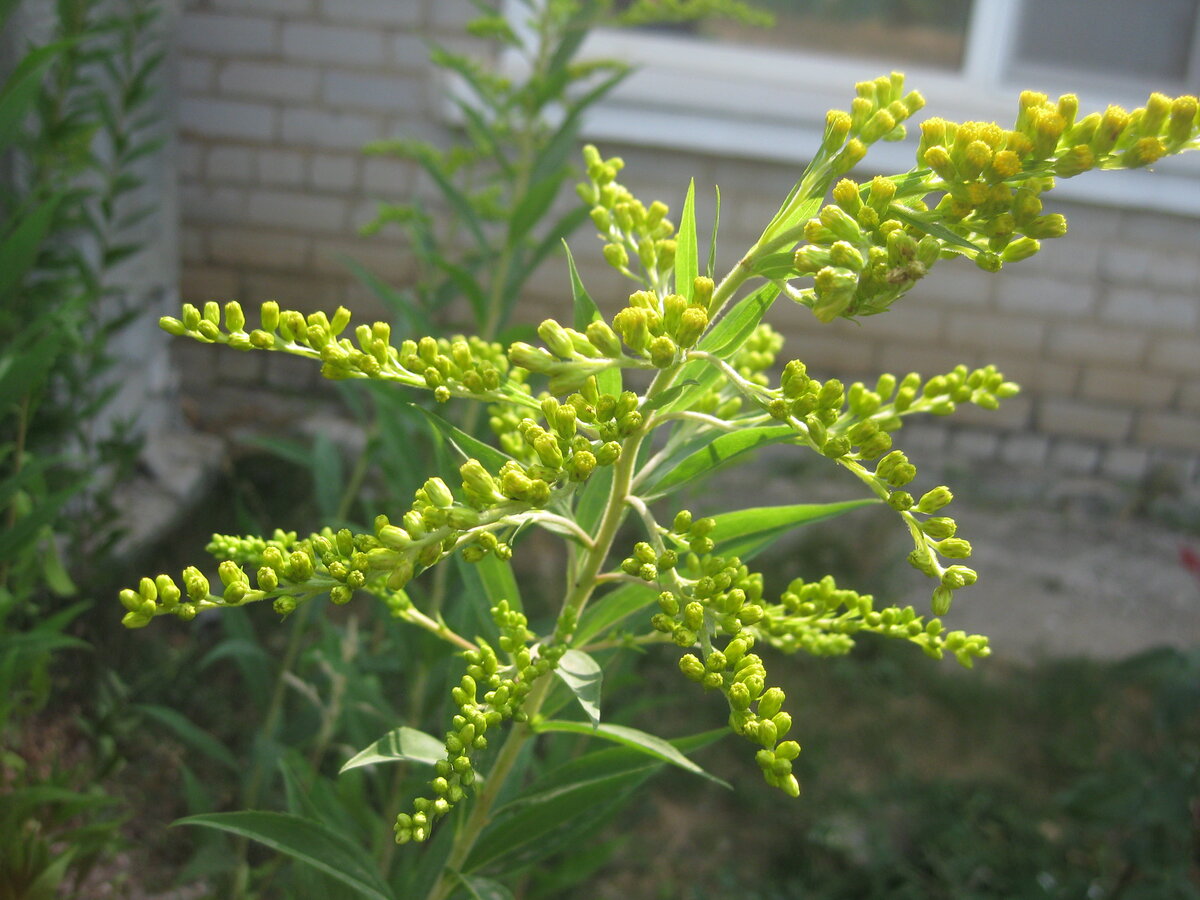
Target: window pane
<point>1149,38</point>
<point>922,32</point>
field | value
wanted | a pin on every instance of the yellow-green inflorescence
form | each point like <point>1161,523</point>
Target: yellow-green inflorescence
<point>713,606</point>
<point>504,687</point>
<point>976,192</point>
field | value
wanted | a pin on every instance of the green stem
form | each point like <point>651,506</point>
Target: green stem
<point>582,587</point>
<point>241,876</point>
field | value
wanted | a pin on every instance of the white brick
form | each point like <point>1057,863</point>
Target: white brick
<point>1124,463</point>
<point>191,244</point>
<point>1189,397</point>
<point>226,118</point>
<point>375,12</point>
<point>207,204</point>
<point>190,160</point>
<point>1127,386</point>
<point>977,445</point>
<point>196,74</point>
<point>1178,354</point>
<point>1087,420</point>
<point>909,320</point>
<point>226,35</point>
<point>199,284</point>
<point>1044,296</point>
<point>230,164</point>
<point>331,130</point>
<point>258,247</point>
<point>991,332</point>
<point>332,44</point>
<point>900,359</point>
<point>1091,343</point>
<point>271,81</point>
<point>1150,309</point>
<point>409,51</point>
<point>267,7</point>
<point>385,93</point>
<point>333,172</point>
<point>958,283</point>
<point>387,176</point>
<point>1036,375</point>
<point>1074,456</point>
<point>296,210</point>
<point>1024,449</point>
<point>1170,430</point>
<point>389,260</point>
<point>280,167</point>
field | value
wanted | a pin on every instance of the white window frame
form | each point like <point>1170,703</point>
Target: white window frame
<point>767,104</point>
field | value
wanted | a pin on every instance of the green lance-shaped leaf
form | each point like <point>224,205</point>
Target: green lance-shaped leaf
<point>401,745</point>
<point>748,532</point>
<point>305,841</point>
<point>717,453</point>
<point>687,260</point>
<point>635,739</point>
<point>585,678</point>
<point>569,803</point>
<point>586,312</point>
<point>194,737</point>
<point>612,609</point>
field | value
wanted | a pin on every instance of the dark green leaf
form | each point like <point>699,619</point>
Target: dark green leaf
<point>635,739</point>
<point>21,89</point>
<point>22,242</point>
<point>462,207</point>
<point>586,311</point>
<point>402,745</point>
<point>484,888</point>
<point>411,319</point>
<point>466,284</point>
<point>499,582</point>
<point>660,400</point>
<point>328,475</point>
<point>585,678</point>
<point>611,609</point>
<point>466,445</point>
<point>593,499</point>
<point>307,842</point>
<point>746,532</point>
<point>941,232</point>
<point>533,205</point>
<point>728,335</point>
<point>194,737</point>
<point>712,243</point>
<point>717,452</point>
<point>687,261</point>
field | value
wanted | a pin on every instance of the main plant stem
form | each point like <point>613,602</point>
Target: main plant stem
<point>582,586</point>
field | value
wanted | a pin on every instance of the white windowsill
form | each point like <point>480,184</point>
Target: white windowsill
<point>770,105</point>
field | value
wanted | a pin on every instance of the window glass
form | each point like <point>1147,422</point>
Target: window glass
<point>1145,39</point>
<point>923,32</point>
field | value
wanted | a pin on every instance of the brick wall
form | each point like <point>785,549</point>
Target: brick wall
<point>277,97</point>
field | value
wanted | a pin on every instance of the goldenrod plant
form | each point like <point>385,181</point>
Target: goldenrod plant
<point>600,424</point>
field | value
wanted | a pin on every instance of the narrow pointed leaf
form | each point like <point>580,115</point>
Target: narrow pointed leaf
<point>746,532</point>
<point>687,260</point>
<point>402,745</point>
<point>712,244</point>
<point>466,445</point>
<point>612,609</point>
<point>305,841</point>
<point>635,739</point>
<point>191,735</point>
<point>479,888</point>
<point>585,678</point>
<point>717,453</point>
